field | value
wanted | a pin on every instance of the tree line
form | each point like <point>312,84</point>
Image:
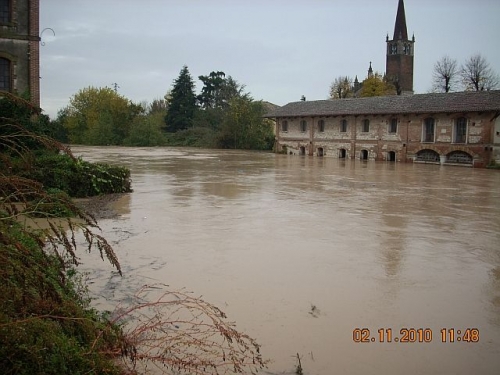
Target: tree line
<point>475,74</point>
<point>223,115</point>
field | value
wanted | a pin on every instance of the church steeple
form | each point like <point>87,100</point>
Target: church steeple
<point>400,30</point>
<point>400,50</point>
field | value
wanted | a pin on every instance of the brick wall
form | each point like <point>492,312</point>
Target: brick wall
<point>379,142</point>
<point>34,51</point>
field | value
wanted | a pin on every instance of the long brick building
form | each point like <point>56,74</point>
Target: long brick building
<point>20,48</point>
<point>454,128</point>
<point>460,128</point>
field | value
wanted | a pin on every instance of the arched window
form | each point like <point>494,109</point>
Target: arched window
<point>428,130</point>
<point>460,131</point>
<point>429,156</point>
<point>5,11</point>
<point>303,125</point>
<point>5,74</point>
<point>321,126</point>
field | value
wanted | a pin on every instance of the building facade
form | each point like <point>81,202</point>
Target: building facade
<point>20,48</point>
<point>460,128</point>
<point>451,128</point>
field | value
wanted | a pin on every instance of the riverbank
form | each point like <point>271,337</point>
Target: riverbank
<point>100,206</point>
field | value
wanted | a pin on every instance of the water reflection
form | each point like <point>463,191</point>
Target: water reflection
<point>377,245</point>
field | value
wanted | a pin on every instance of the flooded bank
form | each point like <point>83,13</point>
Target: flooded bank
<point>306,254</point>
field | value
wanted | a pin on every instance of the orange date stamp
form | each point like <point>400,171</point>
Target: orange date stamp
<point>415,335</point>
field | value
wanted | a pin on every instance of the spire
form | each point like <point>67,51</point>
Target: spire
<point>370,71</point>
<point>400,31</point>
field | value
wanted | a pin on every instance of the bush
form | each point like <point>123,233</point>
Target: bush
<point>193,137</point>
<point>46,324</point>
<point>76,177</point>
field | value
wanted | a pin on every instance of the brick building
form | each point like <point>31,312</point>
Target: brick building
<point>453,128</point>
<point>20,48</point>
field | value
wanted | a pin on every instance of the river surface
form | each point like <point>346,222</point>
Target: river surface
<point>301,251</point>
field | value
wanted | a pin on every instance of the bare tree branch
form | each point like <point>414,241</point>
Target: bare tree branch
<point>477,74</point>
<point>445,77</point>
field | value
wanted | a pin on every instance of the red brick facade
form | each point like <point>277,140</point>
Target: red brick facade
<point>400,52</point>
<point>34,51</point>
<point>19,46</point>
<point>450,128</point>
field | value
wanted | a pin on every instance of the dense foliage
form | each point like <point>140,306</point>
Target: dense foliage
<point>46,322</point>
<point>100,116</point>
<point>377,85</point>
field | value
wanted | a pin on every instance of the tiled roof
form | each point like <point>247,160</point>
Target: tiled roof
<point>466,101</point>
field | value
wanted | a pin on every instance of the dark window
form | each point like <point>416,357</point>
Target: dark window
<point>428,156</point>
<point>393,127</point>
<point>428,133</point>
<point>343,126</point>
<point>321,126</point>
<point>366,126</point>
<point>303,125</point>
<point>284,126</point>
<point>460,130</point>
<point>4,74</point>
<point>459,157</point>
<point>4,11</point>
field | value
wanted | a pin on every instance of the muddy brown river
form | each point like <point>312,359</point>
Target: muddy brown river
<point>317,256</point>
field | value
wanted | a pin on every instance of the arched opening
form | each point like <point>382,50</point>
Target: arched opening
<point>342,153</point>
<point>363,155</point>
<point>428,156</point>
<point>391,156</point>
<point>320,151</point>
<point>302,150</point>
<point>459,157</point>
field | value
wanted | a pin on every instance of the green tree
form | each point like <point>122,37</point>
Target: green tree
<point>211,93</point>
<point>376,85</point>
<point>182,103</point>
<point>217,93</point>
<point>146,131</point>
<point>244,127</point>
<point>98,116</point>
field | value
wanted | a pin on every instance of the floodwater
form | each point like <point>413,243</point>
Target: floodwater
<point>301,251</point>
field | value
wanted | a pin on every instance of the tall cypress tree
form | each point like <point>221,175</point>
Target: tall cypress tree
<point>182,103</point>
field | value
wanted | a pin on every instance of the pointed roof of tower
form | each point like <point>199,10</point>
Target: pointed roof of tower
<point>400,31</point>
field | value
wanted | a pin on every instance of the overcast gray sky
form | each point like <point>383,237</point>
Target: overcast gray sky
<point>279,49</point>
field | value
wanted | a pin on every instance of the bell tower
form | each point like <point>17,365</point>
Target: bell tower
<point>400,50</point>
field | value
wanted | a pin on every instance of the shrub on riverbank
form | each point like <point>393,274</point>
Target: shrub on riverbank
<point>76,177</point>
<point>46,323</point>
